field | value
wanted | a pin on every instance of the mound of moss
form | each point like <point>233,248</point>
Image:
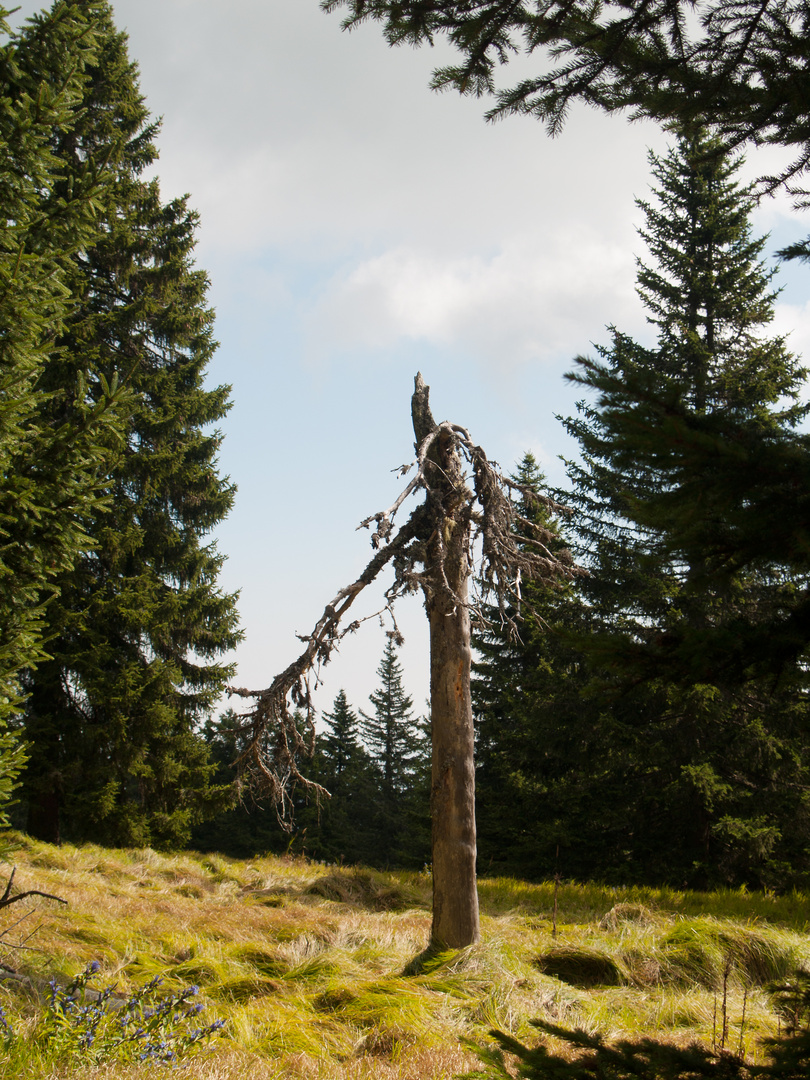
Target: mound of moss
<point>581,966</point>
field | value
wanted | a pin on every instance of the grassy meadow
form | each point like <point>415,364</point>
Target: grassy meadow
<point>318,974</point>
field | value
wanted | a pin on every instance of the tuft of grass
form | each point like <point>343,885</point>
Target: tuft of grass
<point>201,970</point>
<point>265,960</point>
<point>762,955</point>
<point>366,888</point>
<point>579,965</point>
<point>245,988</point>
<point>691,954</point>
<point>622,914</point>
<point>706,950</point>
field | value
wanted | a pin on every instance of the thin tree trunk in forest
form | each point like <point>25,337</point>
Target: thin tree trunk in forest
<point>44,817</point>
<point>452,795</point>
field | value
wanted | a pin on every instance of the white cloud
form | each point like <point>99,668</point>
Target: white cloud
<point>793,320</point>
<point>531,300</point>
<point>289,133</point>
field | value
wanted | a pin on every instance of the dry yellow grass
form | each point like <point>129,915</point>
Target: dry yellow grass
<point>312,967</point>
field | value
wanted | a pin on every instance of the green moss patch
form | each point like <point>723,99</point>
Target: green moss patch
<point>580,966</point>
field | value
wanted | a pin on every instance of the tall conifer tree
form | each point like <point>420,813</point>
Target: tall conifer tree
<point>716,771</point>
<point>54,461</point>
<point>141,621</point>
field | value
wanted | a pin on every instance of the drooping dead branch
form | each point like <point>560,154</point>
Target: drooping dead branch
<point>6,900</point>
<point>278,730</point>
<point>274,734</point>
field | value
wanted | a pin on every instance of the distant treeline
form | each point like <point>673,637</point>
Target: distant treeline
<point>376,767</point>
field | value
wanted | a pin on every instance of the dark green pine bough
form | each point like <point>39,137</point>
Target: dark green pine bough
<point>139,623</point>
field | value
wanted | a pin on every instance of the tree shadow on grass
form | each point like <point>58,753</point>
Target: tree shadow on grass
<point>592,1058</point>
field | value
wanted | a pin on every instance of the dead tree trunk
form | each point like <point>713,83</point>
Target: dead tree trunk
<point>445,585</point>
<point>452,794</point>
<point>432,550</point>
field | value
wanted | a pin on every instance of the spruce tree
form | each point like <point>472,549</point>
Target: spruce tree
<point>388,734</point>
<point>716,770</point>
<point>112,717</point>
<point>340,744</point>
<point>53,462</point>
<point>344,829</point>
<point>537,766</point>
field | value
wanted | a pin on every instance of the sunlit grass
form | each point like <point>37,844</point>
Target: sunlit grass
<point>322,972</point>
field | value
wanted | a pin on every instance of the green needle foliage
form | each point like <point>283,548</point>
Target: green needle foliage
<point>716,769</point>
<point>55,449</point>
<point>140,623</point>
<point>534,724</point>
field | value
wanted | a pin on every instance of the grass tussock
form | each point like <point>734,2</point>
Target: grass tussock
<point>324,973</point>
<point>581,966</point>
<point>367,889</point>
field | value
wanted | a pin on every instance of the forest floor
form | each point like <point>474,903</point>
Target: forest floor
<point>317,973</point>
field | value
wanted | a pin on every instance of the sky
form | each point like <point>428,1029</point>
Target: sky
<point>357,228</point>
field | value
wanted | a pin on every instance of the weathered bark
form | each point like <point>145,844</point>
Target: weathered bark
<point>452,795</point>
<point>445,584</point>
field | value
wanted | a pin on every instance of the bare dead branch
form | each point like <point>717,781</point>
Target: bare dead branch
<point>274,734</point>
<point>274,737</point>
<point>32,892</point>
<point>6,900</point>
